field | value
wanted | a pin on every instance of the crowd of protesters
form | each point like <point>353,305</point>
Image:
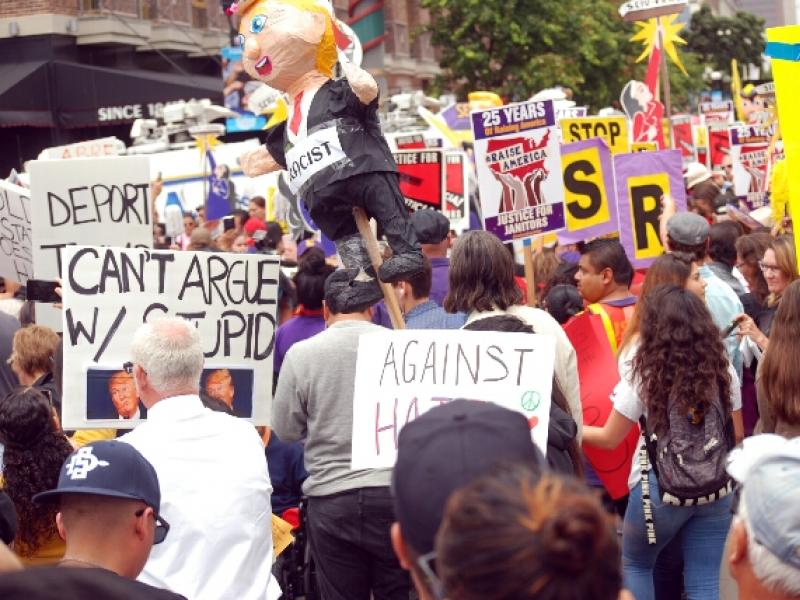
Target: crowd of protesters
<point>184,505</point>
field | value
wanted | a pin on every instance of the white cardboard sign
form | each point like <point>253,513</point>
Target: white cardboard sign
<point>97,201</point>
<point>110,292</point>
<point>16,258</point>
<point>403,374</point>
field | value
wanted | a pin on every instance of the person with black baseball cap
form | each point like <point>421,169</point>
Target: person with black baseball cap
<point>433,232</point>
<point>109,500</point>
<point>439,453</point>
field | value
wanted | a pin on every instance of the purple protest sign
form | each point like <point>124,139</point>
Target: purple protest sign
<point>589,198</point>
<point>518,162</point>
<point>512,118</point>
<point>456,116</point>
<point>641,179</point>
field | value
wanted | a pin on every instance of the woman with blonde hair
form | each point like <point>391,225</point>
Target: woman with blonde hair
<point>32,359</point>
<point>779,266</point>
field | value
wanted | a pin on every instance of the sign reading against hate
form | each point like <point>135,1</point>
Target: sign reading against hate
<point>589,200</point>
<point>110,292</point>
<point>16,255</point>
<point>421,178</point>
<point>519,169</point>
<point>98,201</point>
<point>456,197</point>
<point>750,159</point>
<point>642,180</point>
<point>403,374</point>
<point>614,130</point>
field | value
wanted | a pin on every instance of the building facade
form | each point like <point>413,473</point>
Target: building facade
<point>775,12</point>
<point>396,52</point>
<point>72,70</point>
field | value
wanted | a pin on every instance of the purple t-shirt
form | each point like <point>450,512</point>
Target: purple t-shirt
<point>440,271</point>
<point>295,330</point>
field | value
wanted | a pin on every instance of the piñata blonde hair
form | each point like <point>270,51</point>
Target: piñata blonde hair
<point>326,51</point>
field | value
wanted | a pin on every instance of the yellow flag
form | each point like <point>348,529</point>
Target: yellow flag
<point>787,88</point>
<point>736,90</point>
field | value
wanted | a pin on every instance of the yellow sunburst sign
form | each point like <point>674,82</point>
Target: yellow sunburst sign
<point>647,34</point>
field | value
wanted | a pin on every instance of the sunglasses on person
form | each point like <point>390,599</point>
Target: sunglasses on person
<point>162,527</point>
<point>128,367</point>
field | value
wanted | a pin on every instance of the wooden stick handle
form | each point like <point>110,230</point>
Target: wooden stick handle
<point>377,260</point>
<point>530,279</point>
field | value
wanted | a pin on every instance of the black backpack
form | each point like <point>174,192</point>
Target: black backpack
<point>689,454</point>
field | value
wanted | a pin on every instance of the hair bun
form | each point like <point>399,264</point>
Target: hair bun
<point>570,538</point>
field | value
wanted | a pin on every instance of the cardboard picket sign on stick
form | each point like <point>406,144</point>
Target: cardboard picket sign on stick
<point>519,169</point>
<point>722,112</point>
<point>402,374</point>
<point>642,179</point>
<point>422,178</point>
<point>110,292</point>
<point>456,197</point>
<point>749,150</point>
<point>16,254</point>
<point>683,139</point>
<point>589,200</point>
<point>614,130</point>
<point>98,201</point>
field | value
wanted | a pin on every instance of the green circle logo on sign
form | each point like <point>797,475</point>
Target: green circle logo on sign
<point>530,400</point>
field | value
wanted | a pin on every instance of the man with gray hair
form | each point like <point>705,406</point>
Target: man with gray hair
<point>214,484</point>
<point>764,547</point>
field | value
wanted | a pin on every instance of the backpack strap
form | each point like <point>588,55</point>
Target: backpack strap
<point>647,499</point>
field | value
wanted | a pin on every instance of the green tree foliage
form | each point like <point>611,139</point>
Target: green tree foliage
<point>717,40</point>
<point>518,47</point>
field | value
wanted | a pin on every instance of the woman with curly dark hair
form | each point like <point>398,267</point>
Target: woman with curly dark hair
<point>35,450</point>
<point>678,375</point>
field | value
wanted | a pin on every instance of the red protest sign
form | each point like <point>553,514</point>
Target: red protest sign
<point>422,177</point>
<point>597,371</point>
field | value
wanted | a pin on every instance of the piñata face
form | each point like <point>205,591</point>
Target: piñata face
<point>280,42</point>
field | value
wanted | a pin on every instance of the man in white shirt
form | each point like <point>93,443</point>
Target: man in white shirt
<point>214,481</point>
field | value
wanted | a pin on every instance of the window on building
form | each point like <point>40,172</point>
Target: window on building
<point>90,5</point>
<point>422,47</point>
<point>199,14</point>
<point>401,39</point>
<point>149,10</point>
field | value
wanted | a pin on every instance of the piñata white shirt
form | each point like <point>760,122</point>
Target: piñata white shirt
<point>215,494</point>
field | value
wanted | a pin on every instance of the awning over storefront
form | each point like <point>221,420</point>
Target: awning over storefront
<point>24,95</point>
<point>64,94</point>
